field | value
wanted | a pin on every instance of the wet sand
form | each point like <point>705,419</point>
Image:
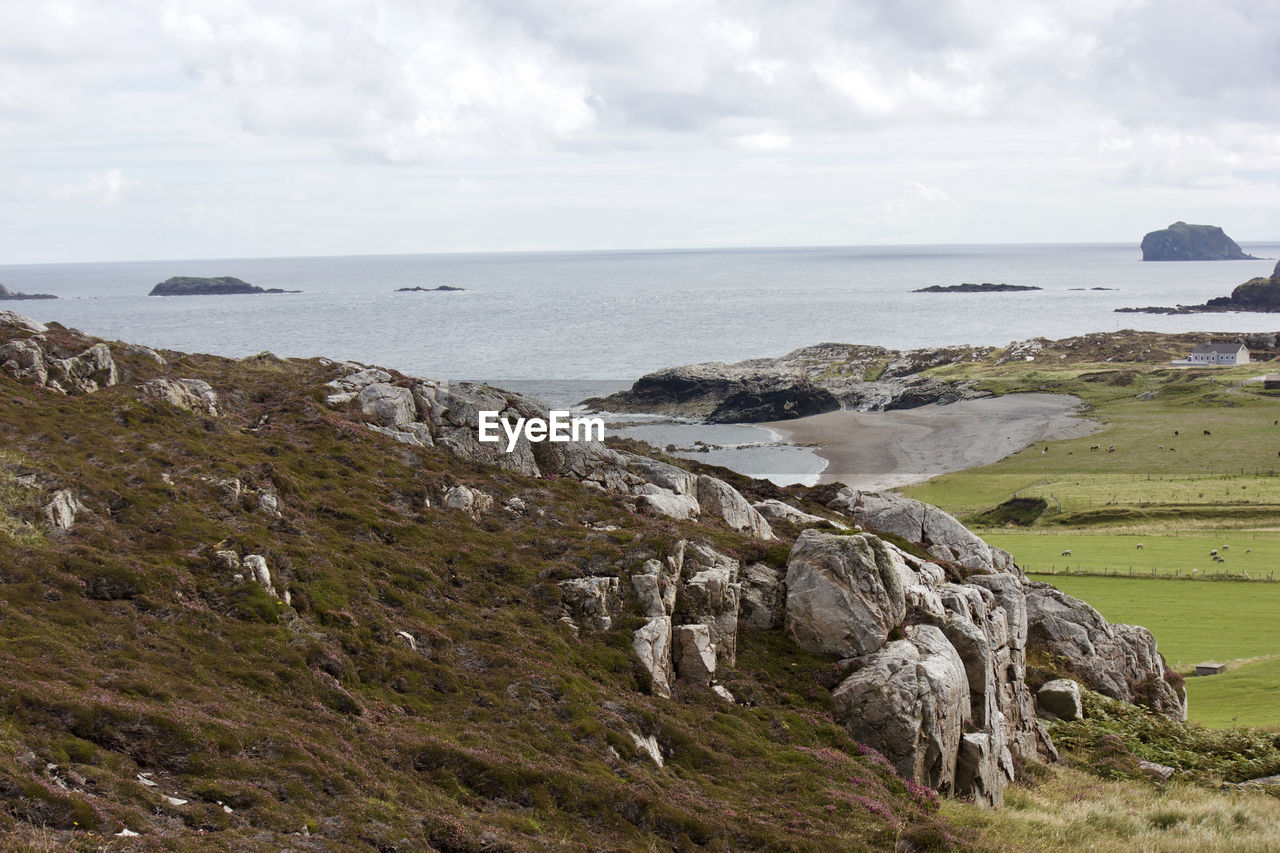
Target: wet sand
<point>884,450</point>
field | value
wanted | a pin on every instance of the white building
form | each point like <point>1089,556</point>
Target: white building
<point>1217,354</point>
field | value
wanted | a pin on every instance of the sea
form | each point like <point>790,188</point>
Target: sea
<point>565,326</point>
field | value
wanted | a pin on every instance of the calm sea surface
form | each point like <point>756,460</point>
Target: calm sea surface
<point>569,325</point>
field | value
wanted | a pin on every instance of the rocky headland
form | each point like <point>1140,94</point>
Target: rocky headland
<point>1259,295</point>
<point>7,294</point>
<point>181,285</point>
<point>1183,242</point>
<point>822,378</point>
<point>969,287</point>
<point>289,583</point>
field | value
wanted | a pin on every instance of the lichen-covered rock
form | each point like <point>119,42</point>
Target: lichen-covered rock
<point>652,645</point>
<point>192,395</point>
<point>256,566</point>
<point>14,320</point>
<point>694,653</point>
<point>908,700</point>
<point>718,498</point>
<point>773,508</point>
<point>655,588</point>
<point>763,598</point>
<point>592,602</point>
<point>844,593</point>
<point>359,380</point>
<point>1120,661</point>
<point>389,405</point>
<point>940,533</point>
<point>86,373</point>
<point>1060,699</point>
<point>978,773</point>
<point>61,512</point>
<point>659,501</point>
<point>24,360</point>
<point>473,502</point>
<point>709,595</point>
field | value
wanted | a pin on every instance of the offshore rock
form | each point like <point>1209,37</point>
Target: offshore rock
<point>1183,242</point>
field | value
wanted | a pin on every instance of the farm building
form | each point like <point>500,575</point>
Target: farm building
<point>1211,354</point>
<point>1271,381</point>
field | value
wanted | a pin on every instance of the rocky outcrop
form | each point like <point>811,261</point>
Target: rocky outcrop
<point>970,287</point>
<point>808,381</point>
<point>776,509</point>
<point>1257,295</point>
<point>192,395</point>
<point>591,602</point>
<point>718,498</point>
<point>1120,661</point>
<point>941,534</point>
<point>709,594</point>
<point>473,502</point>
<point>762,602</point>
<point>1183,242</point>
<point>185,285</point>
<point>7,294</point>
<point>27,359</point>
<point>61,512</point>
<point>652,645</point>
<point>694,653</point>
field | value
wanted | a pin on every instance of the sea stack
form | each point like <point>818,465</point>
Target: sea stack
<point>1183,242</point>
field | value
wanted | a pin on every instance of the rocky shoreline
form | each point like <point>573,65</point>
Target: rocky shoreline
<point>1257,295</point>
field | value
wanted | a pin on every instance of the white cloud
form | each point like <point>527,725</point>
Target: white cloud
<point>109,187</point>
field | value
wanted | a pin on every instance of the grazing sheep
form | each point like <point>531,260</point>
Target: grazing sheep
<point>1160,447</point>
<point>1139,546</point>
<point>1111,449</point>
<point>1066,553</point>
<point>1213,553</point>
<point>1172,449</point>
<point>1248,551</point>
<point>1226,547</point>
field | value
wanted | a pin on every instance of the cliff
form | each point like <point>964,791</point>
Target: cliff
<point>283,603</point>
<point>1183,242</point>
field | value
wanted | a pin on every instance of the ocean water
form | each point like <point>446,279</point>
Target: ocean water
<point>564,318</point>
<point>569,325</point>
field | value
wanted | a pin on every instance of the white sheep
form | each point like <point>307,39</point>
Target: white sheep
<point>1066,553</point>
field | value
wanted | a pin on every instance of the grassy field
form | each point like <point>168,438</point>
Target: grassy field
<point>1251,552</point>
<point>1196,621</point>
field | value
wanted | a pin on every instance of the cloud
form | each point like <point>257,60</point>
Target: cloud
<point>109,187</point>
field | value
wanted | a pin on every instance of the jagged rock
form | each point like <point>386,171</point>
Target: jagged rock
<point>228,560</point>
<point>87,372</point>
<point>844,593</point>
<point>592,602</point>
<point>773,508</point>
<point>24,360</point>
<point>652,645</point>
<point>358,381</point>
<point>389,405</point>
<point>718,498</point>
<point>1120,661</point>
<point>978,773</point>
<point>664,476</point>
<point>908,700</point>
<point>1162,772</point>
<point>60,513</point>
<point>649,746</point>
<point>256,565</point>
<point>414,435</point>
<point>655,588</point>
<point>231,491</point>
<point>763,598</point>
<point>941,534</point>
<point>723,692</point>
<point>12,319</point>
<point>663,502</point>
<point>192,395</point>
<point>694,653</point>
<point>709,595</point>
<point>146,352</point>
<point>269,503</point>
<point>473,502</point>
<point>1060,699</point>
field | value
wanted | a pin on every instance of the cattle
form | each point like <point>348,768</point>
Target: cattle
<point>1206,432</point>
<point>1095,447</point>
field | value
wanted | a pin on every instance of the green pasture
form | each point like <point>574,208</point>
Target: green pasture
<point>1171,552</point>
<point>1231,476</point>
<point>1196,621</point>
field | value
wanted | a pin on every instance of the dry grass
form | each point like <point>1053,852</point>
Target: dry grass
<point>19,503</point>
<point>1070,810</point>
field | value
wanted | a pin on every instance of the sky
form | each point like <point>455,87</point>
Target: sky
<point>252,128</point>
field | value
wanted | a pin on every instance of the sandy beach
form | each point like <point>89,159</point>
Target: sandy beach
<point>884,450</point>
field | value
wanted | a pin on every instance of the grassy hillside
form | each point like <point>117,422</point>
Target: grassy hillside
<point>144,687</point>
<point>416,691</point>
